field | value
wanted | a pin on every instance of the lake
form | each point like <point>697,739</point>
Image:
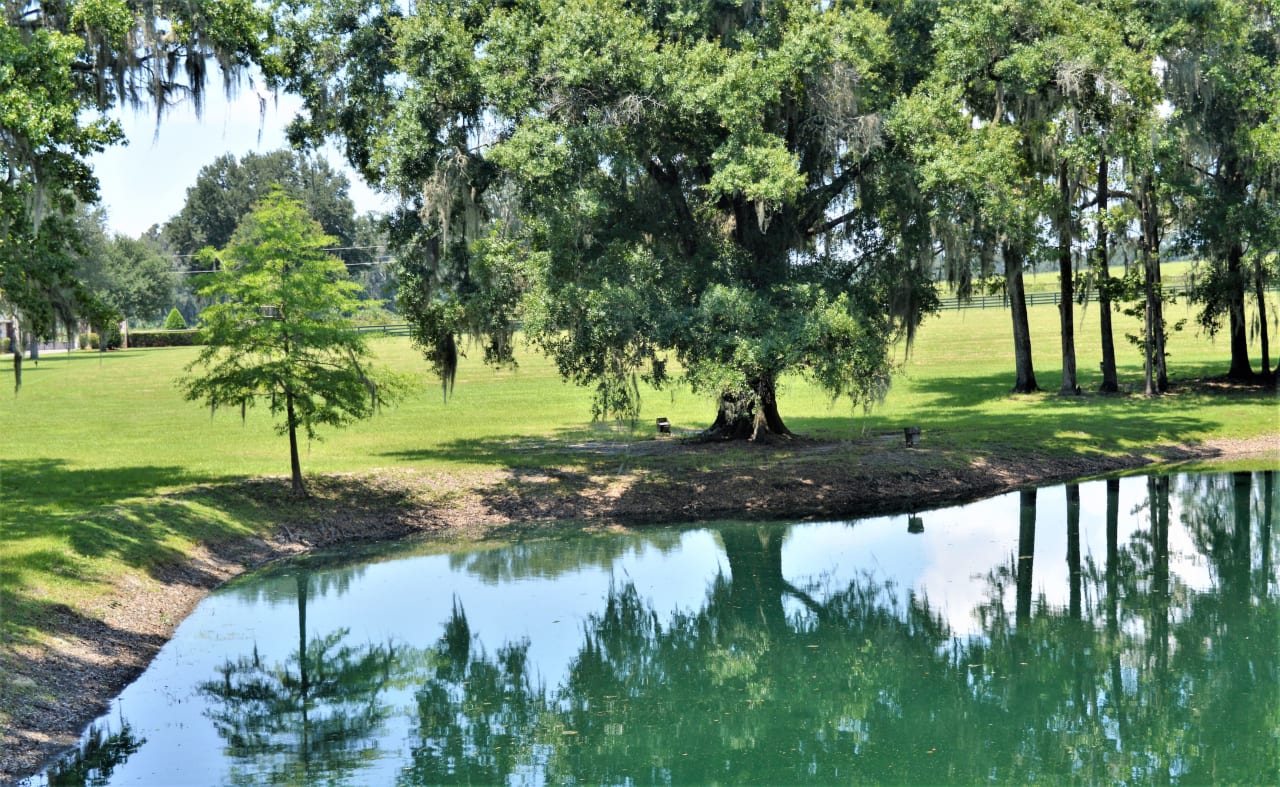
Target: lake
<point>1120,631</point>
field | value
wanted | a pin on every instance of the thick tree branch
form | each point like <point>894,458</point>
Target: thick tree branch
<point>819,199</point>
<point>827,226</point>
<point>686,225</point>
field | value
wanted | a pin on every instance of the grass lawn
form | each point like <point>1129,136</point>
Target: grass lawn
<point>1046,279</point>
<point>95,443</point>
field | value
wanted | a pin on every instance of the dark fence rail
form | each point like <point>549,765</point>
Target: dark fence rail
<point>391,329</point>
<point>1002,301</point>
<point>1040,299</point>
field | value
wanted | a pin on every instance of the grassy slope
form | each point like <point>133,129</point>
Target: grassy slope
<point>94,441</point>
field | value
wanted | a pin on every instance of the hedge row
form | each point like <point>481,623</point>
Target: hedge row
<point>164,338</point>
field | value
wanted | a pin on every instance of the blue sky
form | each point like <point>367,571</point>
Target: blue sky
<point>145,182</point>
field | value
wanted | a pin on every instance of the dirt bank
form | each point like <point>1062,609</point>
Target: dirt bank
<point>90,656</point>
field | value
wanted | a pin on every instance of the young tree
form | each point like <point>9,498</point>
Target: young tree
<point>279,330</point>
<point>226,190</point>
<point>174,321</point>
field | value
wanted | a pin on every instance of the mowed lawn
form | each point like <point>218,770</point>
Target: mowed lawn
<point>95,442</point>
<point>123,410</point>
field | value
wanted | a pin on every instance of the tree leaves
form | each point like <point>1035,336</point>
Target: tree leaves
<point>279,329</point>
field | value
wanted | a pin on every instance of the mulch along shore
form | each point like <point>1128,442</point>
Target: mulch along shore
<point>91,655</point>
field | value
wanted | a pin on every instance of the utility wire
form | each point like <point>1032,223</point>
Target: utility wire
<point>383,259</point>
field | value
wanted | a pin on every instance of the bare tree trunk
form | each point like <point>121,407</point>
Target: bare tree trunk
<point>1110,383</point>
<point>12,336</point>
<point>1240,369</point>
<point>1153,341</point>
<point>1259,292</point>
<point>1148,345</point>
<point>1066,309</point>
<point>1026,375</point>
<point>1161,356</point>
<point>295,466</point>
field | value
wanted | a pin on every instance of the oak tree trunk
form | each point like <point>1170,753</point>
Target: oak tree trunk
<point>756,419</point>
<point>1161,355</point>
<point>1155,377</point>
<point>1026,375</point>
<point>1110,382</point>
<point>1066,309</point>
<point>1259,293</point>
<point>1240,369</point>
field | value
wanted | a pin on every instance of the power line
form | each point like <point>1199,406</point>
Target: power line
<point>384,259</point>
<point>327,248</point>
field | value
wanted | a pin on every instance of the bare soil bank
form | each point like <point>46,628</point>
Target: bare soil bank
<point>90,657</point>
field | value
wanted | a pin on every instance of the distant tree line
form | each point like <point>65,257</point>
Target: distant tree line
<point>225,192</point>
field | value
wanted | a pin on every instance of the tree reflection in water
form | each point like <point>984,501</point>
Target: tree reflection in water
<point>1135,677</point>
<point>313,718</point>
<point>96,758</point>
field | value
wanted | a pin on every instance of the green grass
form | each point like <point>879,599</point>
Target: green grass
<point>95,443</point>
<point>1173,274</point>
<point>956,385</point>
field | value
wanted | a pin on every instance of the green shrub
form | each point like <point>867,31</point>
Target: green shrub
<point>112,336</point>
<point>4,344</point>
<point>88,341</point>
<point>174,321</point>
<point>164,338</point>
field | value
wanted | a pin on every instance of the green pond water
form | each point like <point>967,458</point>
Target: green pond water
<point>1123,631</point>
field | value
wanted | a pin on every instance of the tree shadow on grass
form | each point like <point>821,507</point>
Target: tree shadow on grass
<point>852,465</point>
<point>85,509</point>
<point>972,414</point>
<point>605,446</point>
<point>64,528</point>
<point>1048,423</point>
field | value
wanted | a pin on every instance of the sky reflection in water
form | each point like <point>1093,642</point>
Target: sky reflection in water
<point>1130,636</point>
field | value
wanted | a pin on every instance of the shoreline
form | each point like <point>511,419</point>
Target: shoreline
<point>91,655</point>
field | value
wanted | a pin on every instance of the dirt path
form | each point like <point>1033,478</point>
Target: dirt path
<point>92,656</point>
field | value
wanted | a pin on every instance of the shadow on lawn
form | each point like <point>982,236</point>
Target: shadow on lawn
<point>1048,423</point>
<point>46,499</point>
<point>1037,423</point>
<point>37,685</point>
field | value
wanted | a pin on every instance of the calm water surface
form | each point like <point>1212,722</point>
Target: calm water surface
<point>1115,631</point>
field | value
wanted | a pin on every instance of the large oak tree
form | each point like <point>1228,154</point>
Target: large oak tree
<point>696,182</point>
